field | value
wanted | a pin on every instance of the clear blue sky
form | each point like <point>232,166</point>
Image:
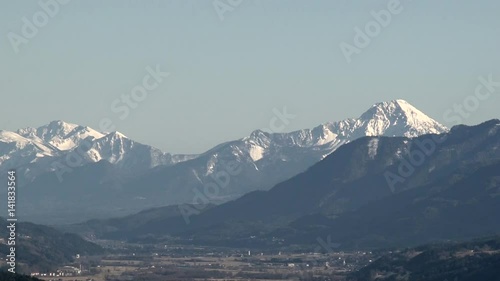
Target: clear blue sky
<point>226,76</point>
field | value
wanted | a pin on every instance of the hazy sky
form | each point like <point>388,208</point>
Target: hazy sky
<point>227,75</point>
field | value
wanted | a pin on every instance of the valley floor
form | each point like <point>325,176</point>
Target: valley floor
<point>160,262</point>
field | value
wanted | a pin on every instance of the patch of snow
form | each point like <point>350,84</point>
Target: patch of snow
<point>493,131</point>
<point>256,153</point>
<point>373,148</point>
<point>8,137</point>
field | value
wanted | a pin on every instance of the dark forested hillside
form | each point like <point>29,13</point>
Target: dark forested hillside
<point>43,248</point>
<point>6,276</point>
<point>470,261</point>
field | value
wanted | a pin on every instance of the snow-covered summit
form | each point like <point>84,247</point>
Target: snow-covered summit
<point>127,154</point>
<point>64,136</point>
<point>259,161</point>
<point>394,118</point>
<point>398,118</point>
<point>53,142</point>
<point>261,149</point>
<point>263,159</point>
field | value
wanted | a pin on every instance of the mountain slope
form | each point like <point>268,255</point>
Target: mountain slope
<point>17,151</point>
<point>461,206</point>
<point>227,171</point>
<point>265,159</point>
<point>42,248</point>
<point>348,194</point>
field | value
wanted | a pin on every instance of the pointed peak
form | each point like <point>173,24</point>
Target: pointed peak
<point>53,126</point>
<point>116,134</point>
<point>400,101</point>
<point>397,116</point>
<point>396,108</point>
<point>57,122</point>
<point>257,135</point>
<point>401,104</point>
<point>404,105</point>
<point>393,103</point>
<point>60,124</point>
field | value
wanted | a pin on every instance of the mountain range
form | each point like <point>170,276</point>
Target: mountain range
<point>34,151</point>
<point>370,193</point>
<point>72,172</point>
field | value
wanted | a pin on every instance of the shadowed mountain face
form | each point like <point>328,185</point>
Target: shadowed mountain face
<point>72,173</point>
<point>42,248</point>
<point>461,206</point>
<point>375,191</point>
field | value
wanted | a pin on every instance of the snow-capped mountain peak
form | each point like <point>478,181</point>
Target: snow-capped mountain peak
<point>64,136</point>
<point>305,147</point>
<point>258,161</point>
<point>398,118</point>
<point>116,135</point>
<point>16,150</point>
<point>393,118</point>
<point>58,138</point>
<point>281,154</point>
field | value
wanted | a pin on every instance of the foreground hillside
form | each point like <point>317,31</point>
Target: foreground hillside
<point>6,276</point>
<point>471,261</point>
<point>41,248</point>
<point>460,206</point>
